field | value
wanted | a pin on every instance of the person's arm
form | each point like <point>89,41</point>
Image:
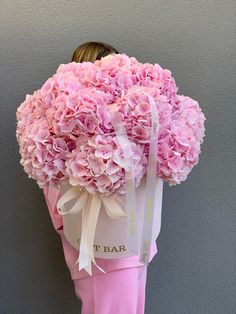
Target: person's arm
<point>52,195</point>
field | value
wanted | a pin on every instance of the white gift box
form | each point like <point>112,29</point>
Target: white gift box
<point>111,235</point>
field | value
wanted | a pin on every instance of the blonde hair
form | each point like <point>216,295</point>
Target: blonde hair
<point>92,51</point>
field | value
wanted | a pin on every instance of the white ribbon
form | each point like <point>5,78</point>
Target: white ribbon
<point>150,186</point>
<point>90,205</point>
<point>125,145</point>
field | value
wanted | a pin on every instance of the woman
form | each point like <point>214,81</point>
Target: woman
<point>121,290</point>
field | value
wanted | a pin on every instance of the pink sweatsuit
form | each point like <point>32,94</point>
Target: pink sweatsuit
<point>120,291</point>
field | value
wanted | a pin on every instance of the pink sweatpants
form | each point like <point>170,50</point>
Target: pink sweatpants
<point>121,291</point>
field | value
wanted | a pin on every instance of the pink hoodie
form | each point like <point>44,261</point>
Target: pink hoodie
<point>71,254</point>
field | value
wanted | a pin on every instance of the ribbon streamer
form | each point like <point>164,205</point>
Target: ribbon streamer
<point>150,186</point>
<point>125,145</point>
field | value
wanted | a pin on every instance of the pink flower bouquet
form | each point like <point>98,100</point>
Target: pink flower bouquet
<point>66,130</point>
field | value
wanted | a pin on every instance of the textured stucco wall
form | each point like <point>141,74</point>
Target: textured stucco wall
<point>194,270</point>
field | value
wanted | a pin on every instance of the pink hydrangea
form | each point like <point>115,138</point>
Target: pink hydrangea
<point>64,129</point>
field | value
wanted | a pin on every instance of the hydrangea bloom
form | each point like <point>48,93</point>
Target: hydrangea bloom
<point>64,129</point>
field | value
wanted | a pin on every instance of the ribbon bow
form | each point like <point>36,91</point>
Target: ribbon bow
<point>90,204</point>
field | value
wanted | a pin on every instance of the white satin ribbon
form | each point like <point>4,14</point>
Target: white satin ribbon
<point>125,145</point>
<point>90,205</point>
<point>150,186</point>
